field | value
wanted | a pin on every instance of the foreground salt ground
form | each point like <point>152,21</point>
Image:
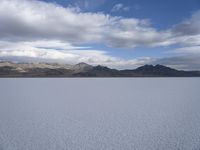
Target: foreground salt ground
<point>88,114</point>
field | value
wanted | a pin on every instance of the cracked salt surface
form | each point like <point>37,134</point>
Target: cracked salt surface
<point>100,114</point>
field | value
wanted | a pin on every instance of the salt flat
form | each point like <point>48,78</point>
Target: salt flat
<point>100,114</point>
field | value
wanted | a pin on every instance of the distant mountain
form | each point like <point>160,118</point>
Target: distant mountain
<point>10,69</point>
<point>81,67</point>
<point>161,71</point>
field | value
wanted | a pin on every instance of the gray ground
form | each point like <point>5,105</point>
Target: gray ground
<point>100,114</point>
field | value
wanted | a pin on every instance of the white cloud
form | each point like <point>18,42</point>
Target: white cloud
<point>29,20</point>
<point>25,20</point>
<point>187,33</point>
<point>188,50</point>
<point>53,44</point>
<point>88,4</point>
<point>33,52</point>
<point>120,7</point>
<point>189,26</point>
<point>133,32</point>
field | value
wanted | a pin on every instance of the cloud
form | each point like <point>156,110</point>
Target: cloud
<point>32,52</point>
<point>182,62</point>
<point>88,4</point>
<point>187,50</point>
<point>187,32</point>
<point>187,35</point>
<point>131,33</point>
<point>120,7</point>
<point>29,20</point>
<point>190,26</point>
<point>46,51</point>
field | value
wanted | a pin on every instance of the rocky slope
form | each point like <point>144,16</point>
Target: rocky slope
<point>10,69</point>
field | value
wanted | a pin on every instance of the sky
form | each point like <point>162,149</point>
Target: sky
<point>122,34</point>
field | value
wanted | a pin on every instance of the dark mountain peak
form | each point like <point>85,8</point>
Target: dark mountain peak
<point>99,71</point>
<point>81,67</point>
<point>82,64</point>
<point>99,67</point>
<point>157,70</point>
<point>145,67</point>
<point>157,67</point>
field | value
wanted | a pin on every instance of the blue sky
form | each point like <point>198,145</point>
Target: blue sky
<point>163,14</point>
<point>118,34</point>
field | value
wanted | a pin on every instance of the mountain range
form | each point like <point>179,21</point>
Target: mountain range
<point>11,69</point>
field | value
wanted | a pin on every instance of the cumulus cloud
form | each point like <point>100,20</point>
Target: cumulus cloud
<point>31,19</point>
<point>133,32</point>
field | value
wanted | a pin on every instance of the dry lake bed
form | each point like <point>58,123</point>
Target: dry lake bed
<point>100,114</point>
